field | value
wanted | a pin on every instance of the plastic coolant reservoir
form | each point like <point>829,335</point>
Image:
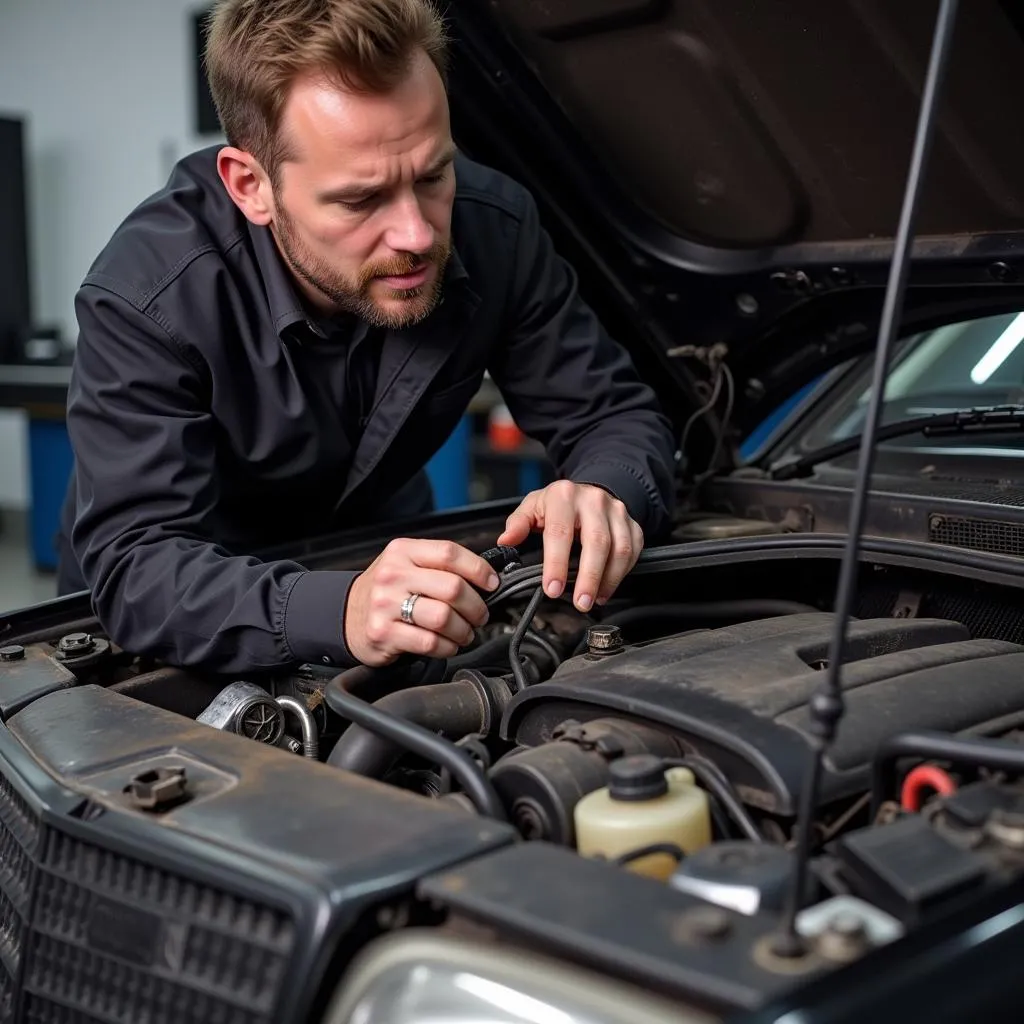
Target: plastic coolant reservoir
<point>643,804</point>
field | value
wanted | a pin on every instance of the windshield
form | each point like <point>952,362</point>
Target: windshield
<point>959,366</point>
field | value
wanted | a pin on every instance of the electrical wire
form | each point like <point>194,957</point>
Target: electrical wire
<point>716,390</point>
<point>724,427</point>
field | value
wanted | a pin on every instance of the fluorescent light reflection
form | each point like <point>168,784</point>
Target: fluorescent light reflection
<point>517,1005</point>
<point>1002,348</point>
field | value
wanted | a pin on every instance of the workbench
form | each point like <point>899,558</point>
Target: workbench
<point>40,390</point>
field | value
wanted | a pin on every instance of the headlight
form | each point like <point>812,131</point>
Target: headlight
<point>424,977</point>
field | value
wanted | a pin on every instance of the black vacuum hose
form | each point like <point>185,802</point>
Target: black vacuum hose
<point>470,703</point>
<point>711,778</point>
<point>493,652</point>
<point>405,735</point>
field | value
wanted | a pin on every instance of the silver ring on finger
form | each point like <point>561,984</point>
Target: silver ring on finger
<point>407,607</point>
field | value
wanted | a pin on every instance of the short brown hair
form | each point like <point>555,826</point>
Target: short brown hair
<point>255,49</point>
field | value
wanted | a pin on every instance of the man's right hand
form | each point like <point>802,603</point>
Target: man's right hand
<point>444,614</point>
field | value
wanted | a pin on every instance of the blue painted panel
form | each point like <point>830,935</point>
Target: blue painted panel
<point>50,464</point>
<point>763,430</point>
<point>449,468</point>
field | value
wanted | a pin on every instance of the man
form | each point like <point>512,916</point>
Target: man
<point>275,344</point>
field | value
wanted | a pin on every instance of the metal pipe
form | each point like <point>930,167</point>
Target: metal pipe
<point>310,735</point>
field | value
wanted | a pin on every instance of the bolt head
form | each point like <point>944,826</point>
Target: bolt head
<point>707,923</point>
<point>75,642</point>
<point>604,638</point>
<point>747,304</point>
<point>13,652</point>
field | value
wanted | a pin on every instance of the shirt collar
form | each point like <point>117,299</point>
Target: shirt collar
<point>286,308</point>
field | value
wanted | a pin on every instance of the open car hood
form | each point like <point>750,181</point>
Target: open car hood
<point>728,171</point>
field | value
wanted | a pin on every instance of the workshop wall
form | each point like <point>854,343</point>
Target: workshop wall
<point>107,88</point>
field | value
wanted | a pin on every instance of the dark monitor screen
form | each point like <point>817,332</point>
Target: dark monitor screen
<point>15,299</point>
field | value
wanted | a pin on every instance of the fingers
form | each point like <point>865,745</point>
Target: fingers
<point>559,518</point>
<point>595,550</point>
<point>521,522</point>
<point>438,617</point>
<point>450,590</point>
<point>627,543</point>
<point>451,558</point>
<point>423,642</point>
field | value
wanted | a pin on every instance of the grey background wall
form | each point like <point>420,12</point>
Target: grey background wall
<point>107,87</point>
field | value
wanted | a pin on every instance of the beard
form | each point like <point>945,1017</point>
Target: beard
<point>407,306</point>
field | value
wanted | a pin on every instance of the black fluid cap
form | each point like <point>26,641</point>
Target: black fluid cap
<point>501,557</point>
<point>640,777</point>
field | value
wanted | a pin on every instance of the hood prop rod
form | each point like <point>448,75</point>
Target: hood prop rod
<point>827,707</point>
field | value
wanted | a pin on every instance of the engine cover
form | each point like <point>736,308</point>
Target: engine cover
<point>740,695</point>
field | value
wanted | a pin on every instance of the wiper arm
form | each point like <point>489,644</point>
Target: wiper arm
<point>993,419</point>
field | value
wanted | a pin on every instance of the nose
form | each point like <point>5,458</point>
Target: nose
<point>409,230</point>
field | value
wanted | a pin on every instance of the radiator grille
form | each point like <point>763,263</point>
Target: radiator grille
<point>41,1011</point>
<point>987,492</point>
<point>996,537</point>
<point>88,936</point>
<point>19,840</point>
<point>987,619</point>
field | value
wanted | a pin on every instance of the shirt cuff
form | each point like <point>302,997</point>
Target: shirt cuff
<point>314,618</point>
<point>622,482</point>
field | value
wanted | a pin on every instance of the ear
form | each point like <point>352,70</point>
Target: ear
<point>247,184</point>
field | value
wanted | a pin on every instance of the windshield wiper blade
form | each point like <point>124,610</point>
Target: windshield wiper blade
<point>992,419</point>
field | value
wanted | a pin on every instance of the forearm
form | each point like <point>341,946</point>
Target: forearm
<point>146,529</point>
<point>192,605</point>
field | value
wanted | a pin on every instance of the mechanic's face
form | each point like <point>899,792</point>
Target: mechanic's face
<point>362,210</point>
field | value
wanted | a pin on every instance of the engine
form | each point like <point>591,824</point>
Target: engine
<point>671,740</point>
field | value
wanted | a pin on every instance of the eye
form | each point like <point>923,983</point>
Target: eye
<point>433,179</point>
<point>357,205</point>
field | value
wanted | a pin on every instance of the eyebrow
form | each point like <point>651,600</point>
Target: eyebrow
<point>354,193</point>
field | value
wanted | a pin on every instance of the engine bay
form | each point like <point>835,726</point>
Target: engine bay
<point>666,736</point>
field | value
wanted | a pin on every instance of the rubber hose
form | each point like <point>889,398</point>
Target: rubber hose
<point>490,652</point>
<point>370,684</point>
<point>711,778</point>
<point>938,746</point>
<point>417,740</point>
<point>454,709</point>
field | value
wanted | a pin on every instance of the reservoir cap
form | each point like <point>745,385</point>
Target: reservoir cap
<point>640,777</point>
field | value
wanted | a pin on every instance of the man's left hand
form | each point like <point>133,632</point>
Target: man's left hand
<point>610,540</point>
